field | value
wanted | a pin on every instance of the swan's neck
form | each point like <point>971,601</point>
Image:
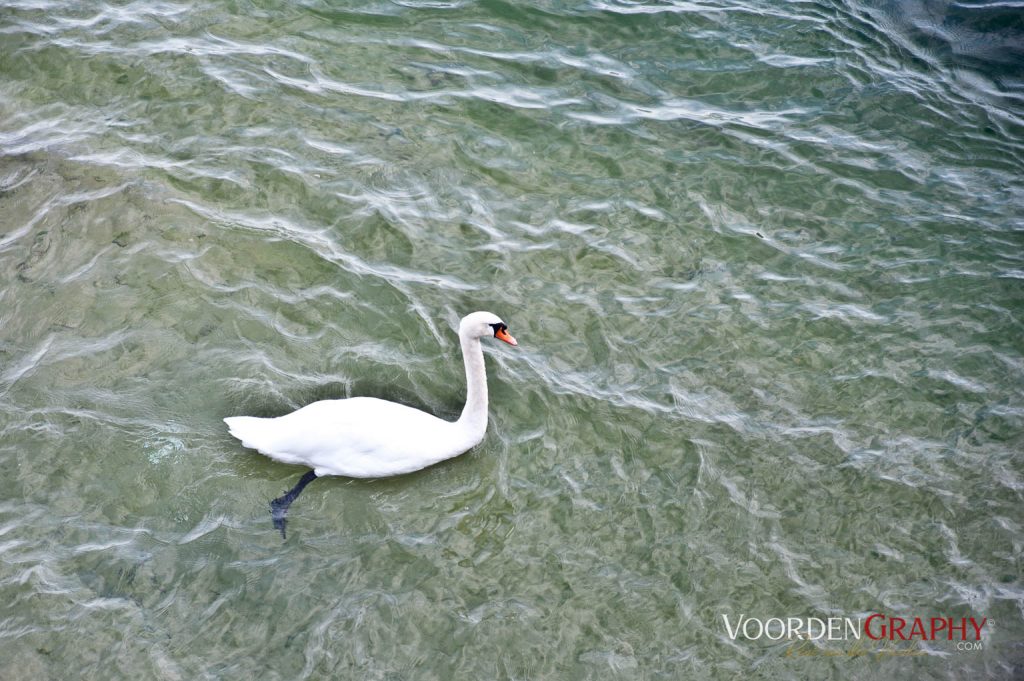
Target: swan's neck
<point>474,414</point>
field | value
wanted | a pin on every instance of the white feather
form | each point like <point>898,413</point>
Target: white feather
<point>364,437</point>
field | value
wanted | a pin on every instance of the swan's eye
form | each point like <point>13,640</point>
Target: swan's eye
<point>502,334</point>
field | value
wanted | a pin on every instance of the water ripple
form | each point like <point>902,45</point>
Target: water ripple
<point>763,263</point>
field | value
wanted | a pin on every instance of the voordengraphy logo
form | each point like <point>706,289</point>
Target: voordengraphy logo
<point>887,630</point>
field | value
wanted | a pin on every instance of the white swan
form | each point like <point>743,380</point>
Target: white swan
<point>363,437</point>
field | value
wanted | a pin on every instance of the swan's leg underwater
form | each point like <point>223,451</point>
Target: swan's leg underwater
<point>279,506</point>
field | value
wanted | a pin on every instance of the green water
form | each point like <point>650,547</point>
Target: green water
<point>764,262</point>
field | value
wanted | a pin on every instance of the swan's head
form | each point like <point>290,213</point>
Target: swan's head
<point>480,324</point>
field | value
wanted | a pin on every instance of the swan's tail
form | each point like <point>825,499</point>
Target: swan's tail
<point>248,429</point>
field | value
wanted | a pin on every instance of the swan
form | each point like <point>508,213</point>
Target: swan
<point>364,437</point>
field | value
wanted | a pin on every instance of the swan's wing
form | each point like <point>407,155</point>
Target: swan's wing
<point>357,437</point>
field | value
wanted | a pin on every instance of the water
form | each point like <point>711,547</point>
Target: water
<point>763,260</point>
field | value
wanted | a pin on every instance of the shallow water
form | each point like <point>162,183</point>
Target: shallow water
<point>764,262</point>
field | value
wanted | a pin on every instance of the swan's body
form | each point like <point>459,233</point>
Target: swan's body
<point>363,437</point>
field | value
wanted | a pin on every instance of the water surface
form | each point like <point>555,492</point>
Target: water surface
<point>764,261</point>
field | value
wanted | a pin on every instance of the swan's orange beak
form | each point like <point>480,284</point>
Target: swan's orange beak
<point>503,335</point>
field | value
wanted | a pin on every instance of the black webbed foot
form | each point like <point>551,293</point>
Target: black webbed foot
<point>279,506</point>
